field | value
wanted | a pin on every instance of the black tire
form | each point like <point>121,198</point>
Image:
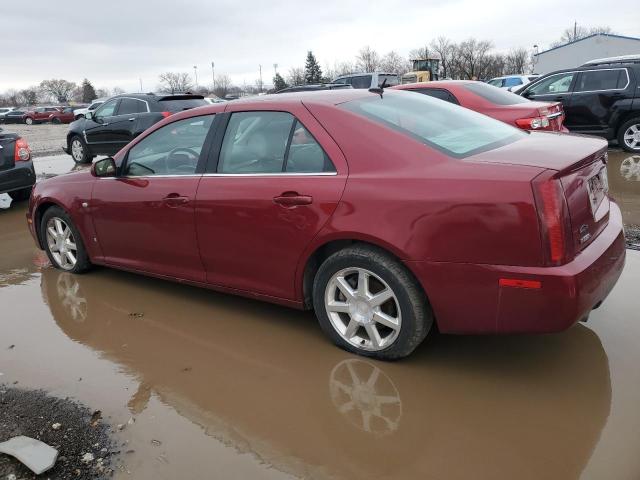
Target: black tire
<point>621,131</point>
<point>416,313</point>
<point>78,117</point>
<point>83,263</point>
<point>20,195</point>
<point>83,157</point>
<point>56,121</point>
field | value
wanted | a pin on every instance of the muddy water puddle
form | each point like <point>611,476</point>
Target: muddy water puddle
<point>214,386</point>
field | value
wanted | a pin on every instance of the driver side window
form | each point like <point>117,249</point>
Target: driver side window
<point>107,109</point>
<point>559,83</point>
<point>171,150</point>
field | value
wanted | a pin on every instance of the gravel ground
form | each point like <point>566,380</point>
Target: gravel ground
<point>44,139</point>
<point>32,413</point>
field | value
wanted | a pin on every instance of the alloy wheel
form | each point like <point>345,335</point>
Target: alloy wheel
<point>61,243</point>
<point>363,309</point>
<point>77,150</point>
<point>632,136</point>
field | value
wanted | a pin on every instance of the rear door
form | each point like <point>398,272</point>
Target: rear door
<point>595,97</point>
<point>554,88</point>
<point>124,123</point>
<point>274,182</point>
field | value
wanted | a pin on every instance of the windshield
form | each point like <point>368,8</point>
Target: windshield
<point>457,131</point>
<point>495,95</point>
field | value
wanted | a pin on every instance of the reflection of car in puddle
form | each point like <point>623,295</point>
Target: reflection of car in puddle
<point>366,396</point>
<point>251,375</point>
<point>630,168</point>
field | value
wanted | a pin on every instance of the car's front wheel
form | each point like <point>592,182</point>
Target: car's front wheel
<point>55,121</point>
<point>79,150</point>
<point>368,303</point>
<point>62,242</point>
<point>28,121</point>
<point>629,135</point>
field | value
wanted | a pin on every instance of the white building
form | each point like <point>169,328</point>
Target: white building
<point>576,53</point>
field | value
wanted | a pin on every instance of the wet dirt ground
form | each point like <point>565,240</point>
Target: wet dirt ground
<point>208,385</point>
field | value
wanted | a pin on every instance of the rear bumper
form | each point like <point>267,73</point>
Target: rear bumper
<point>21,176</point>
<point>466,298</point>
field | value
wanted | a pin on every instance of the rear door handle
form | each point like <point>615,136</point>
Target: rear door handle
<point>175,200</point>
<point>132,119</point>
<point>292,199</point>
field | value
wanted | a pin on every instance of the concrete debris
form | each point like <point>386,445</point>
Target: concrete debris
<point>34,454</point>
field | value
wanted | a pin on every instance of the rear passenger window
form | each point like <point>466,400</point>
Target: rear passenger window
<point>512,82</point>
<point>602,80</point>
<point>270,142</point>
<point>438,93</point>
<point>130,105</point>
<point>363,81</point>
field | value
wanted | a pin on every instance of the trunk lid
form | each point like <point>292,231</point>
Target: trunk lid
<point>7,150</point>
<point>579,163</point>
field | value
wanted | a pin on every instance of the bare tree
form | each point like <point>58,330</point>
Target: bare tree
<point>471,58</point>
<point>517,61</point>
<point>222,86</point>
<point>296,76</point>
<point>117,91</point>
<point>58,89</point>
<point>29,96</point>
<point>393,62</point>
<point>338,69</point>
<point>443,48</point>
<point>367,60</point>
<point>577,32</point>
<point>175,82</point>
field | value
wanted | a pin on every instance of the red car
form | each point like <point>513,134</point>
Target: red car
<point>386,213</point>
<point>63,115</point>
<point>495,102</point>
<point>39,114</point>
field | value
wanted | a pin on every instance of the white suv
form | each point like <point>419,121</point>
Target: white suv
<point>513,83</point>
<point>82,112</point>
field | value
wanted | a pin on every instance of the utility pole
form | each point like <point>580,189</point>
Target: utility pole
<point>140,85</point>
<point>213,74</point>
<point>260,66</point>
<point>275,69</point>
<point>575,30</point>
<point>195,71</point>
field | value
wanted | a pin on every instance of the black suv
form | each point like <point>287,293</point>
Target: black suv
<point>120,119</point>
<point>602,97</point>
<point>17,174</point>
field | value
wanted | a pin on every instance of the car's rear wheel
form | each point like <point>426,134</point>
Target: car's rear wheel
<point>368,303</point>
<point>20,195</point>
<point>629,135</point>
<point>55,121</point>
<point>28,121</point>
<point>79,151</point>
<point>62,242</point>
<point>78,117</point>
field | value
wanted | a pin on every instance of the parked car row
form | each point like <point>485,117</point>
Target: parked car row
<point>378,208</point>
<point>37,115</point>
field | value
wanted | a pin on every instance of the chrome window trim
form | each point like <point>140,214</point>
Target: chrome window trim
<point>606,89</point>
<point>279,174</point>
<point>137,99</point>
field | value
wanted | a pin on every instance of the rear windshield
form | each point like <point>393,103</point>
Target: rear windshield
<point>391,80</point>
<point>493,94</point>
<point>454,130</point>
<point>185,104</point>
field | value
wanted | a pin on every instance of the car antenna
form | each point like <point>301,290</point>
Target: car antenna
<point>379,90</point>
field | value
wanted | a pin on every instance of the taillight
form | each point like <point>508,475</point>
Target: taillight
<point>553,214</point>
<point>166,114</point>
<point>533,123</point>
<point>22,152</point>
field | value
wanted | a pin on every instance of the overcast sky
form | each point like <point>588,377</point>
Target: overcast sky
<point>117,43</point>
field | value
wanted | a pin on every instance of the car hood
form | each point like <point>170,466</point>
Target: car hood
<point>552,150</point>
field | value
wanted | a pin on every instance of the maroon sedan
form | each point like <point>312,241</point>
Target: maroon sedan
<point>63,115</point>
<point>386,214</point>
<point>495,102</point>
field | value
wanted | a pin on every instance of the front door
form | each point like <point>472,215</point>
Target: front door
<point>276,181</point>
<point>144,218</point>
<point>98,129</point>
<point>555,88</point>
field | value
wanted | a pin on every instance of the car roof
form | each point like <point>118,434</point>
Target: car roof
<point>434,84</point>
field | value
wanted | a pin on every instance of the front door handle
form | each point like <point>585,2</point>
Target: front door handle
<point>132,119</point>
<point>292,199</point>
<point>175,200</point>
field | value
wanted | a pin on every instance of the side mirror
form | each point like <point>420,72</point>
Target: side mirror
<point>89,115</point>
<point>104,168</point>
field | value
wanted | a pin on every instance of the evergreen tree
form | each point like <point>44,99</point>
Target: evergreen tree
<point>279,83</point>
<point>88,92</point>
<point>312,71</point>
